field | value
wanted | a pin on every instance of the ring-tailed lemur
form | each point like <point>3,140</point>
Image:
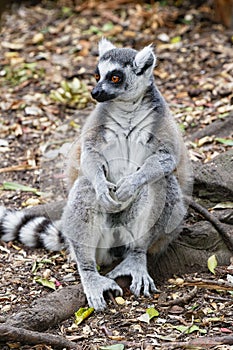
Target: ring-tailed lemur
<point>127,187</point>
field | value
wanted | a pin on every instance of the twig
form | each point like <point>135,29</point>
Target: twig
<point>211,284</point>
<point>182,300</point>
<point>201,341</point>
<point>111,297</point>
<point>18,168</point>
<point>228,238</point>
<point>24,336</point>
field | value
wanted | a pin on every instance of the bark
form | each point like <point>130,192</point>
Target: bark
<point>200,343</point>
<point>190,252</point>
<point>9,333</point>
<point>50,310</point>
<point>213,180</point>
<point>219,128</point>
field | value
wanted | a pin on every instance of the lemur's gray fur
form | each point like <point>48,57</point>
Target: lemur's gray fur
<point>132,175</point>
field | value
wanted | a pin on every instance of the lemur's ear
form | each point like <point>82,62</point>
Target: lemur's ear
<point>144,61</point>
<point>104,46</point>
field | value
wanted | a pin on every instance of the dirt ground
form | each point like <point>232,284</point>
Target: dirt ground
<point>47,58</point>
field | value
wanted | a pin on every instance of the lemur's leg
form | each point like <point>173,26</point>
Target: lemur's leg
<point>168,212</point>
<point>82,224</point>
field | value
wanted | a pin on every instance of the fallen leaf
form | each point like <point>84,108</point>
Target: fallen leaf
<point>72,93</point>
<point>44,282</point>
<point>212,263</point>
<point>225,330</point>
<point>204,140</point>
<point>148,315</point>
<point>120,300</point>
<point>112,347</point>
<point>226,142</point>
<point>33,110</point>
<point>13,186</point>
<point>39,263</point>
<point>190,329</point>
<point>152,312</point>
<point>82,314</point>
<point>224,205</point>
<point>175,39</point>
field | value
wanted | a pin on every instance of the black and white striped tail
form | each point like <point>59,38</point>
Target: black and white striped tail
<point>30,230</point>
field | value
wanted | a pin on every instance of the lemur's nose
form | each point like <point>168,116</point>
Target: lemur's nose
<point>96,92</point>
<point>100,95</point>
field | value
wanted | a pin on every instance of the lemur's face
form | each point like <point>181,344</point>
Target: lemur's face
<point>111,81</point>
<point>122,74</point>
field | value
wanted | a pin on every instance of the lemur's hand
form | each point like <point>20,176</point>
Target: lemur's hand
<point>104,198</point>
<point>126,187</point>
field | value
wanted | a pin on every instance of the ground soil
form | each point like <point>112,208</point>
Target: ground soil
<point>45,44</point>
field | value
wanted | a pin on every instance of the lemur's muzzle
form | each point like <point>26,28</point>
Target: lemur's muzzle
<point>100,95</point>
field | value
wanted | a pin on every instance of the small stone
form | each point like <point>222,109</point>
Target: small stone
<point>38,38</point>
<point>163,37</point>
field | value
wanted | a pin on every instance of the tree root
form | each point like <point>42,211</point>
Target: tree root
<point>227,236</point>
<point>206,342</point>
<point>50,310</point>
<point>183,300</point>
<point>24,336</point>
<point>26,325</point>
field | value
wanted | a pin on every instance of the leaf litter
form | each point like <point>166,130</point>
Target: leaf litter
<point>47,58</point>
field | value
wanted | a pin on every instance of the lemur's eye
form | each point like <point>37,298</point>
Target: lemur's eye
<point>115,79</point>
<point>97,77</point>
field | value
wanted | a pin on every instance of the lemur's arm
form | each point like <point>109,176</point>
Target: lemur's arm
<point>93,167</point>
<point>156,167</point>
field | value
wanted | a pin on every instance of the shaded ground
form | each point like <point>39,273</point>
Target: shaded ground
<point>43,45</point>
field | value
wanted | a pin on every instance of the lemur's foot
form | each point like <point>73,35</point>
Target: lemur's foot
<point>141,280</point>
<point>94,289</point>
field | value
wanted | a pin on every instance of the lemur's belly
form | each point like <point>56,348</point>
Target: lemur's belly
<point>125,155</point>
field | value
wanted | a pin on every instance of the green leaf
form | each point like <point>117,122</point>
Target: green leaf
<point>107,26</point>
<point>75,85</point>
<point>152,312</point>
<point>182,127</point>
<point>212,263</point>
<point>148,315</point>
<point>190,329</point>
<point>112,347</point>
<point>176,39</point>
<point>182,329</point>
<point>82,314</point>
<point>223,115</point>
<point>13,186</point>
<point>73,93</point>
<point>44,282</point>
<point>95,30</point>
<point>39,263</point>
<point>227,142</point>
<point>34,267</point>
<point>66,11</point>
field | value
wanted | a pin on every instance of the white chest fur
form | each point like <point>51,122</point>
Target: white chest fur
<point>127,142</point>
